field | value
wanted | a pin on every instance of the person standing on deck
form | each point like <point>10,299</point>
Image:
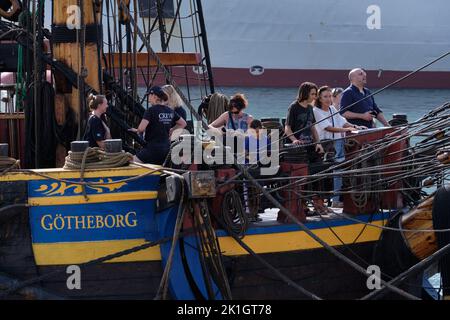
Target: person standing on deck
<point>255,141</point>
<point>300,118</point>
<point>330,125</point>
<point>300,130</point>
<point>156,124</point>
<point>235,118</point>
<point>96,130</point>
<point>174,101</point>
<point>235,123</point>
<point>336,95</point>
<point>364,112</point>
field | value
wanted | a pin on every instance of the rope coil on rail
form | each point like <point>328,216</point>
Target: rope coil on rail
<point>365,194</point>
<point>95,158</point>
<point>7,164</point>
<point>233,214</point>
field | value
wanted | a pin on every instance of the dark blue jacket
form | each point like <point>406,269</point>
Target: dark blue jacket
<point>352,95</point>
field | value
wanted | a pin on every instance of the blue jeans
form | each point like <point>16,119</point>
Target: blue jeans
<point>340,157</point>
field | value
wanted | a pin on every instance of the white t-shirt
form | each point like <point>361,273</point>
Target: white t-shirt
<point>336,121</point>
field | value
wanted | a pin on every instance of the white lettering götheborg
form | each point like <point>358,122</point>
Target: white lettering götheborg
<point>59,222</point>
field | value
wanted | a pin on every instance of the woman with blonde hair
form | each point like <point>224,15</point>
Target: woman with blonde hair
<point>174,101</point>
<point>96,130</point>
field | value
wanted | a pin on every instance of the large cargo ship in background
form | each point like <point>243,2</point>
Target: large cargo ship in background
<point>255,43</point>
<point>289,41</point>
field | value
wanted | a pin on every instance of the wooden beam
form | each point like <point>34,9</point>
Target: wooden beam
<point>12,116</point>
<point>146,60</point>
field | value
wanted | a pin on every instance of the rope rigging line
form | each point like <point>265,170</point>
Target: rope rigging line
<point>273,200</point>
<point>283,277</point>
<point>405,137</point>
<point>411,271</point>
<point>164,282</point>
<point>7,164</point>
<point>210,253</point>
<point>363,157</point>
<point>357,256</point>
<point>6,292</point>
<point>265,193</point>
<point>348,217</point>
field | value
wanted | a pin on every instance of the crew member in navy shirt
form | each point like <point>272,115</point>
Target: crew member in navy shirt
<point>156,124</point>
<point>96,130</point>
<point>363,112</point>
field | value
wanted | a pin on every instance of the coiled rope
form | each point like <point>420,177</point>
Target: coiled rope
<point>95,158</point>
<point>365,194</point>
<point>233,213</point>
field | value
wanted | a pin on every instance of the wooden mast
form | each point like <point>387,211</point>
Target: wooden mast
<point>68,50</point>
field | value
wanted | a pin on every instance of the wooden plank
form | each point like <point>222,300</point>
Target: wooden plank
<point>91,64</point>
<point>167,59</point>
<point>297,258</point>
<point>111,271</point>
<point>13,192</point>
<point>111,289</point>
<point>10,116</point>
<point>329,288</point>
<point>421,244</point>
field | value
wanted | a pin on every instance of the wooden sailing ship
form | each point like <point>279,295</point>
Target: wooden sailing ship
<point>143,231</point>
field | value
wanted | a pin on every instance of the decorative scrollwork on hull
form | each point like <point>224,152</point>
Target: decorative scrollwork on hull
<point>60,188</point>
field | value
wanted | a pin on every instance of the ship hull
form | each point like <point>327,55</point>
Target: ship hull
<point>292,42</point>
<point>290,78</point>
<point>286,78</point>
<point>315,270</point>
<point>38,242</point>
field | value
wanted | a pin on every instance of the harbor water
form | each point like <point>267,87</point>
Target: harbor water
<point>274,102</point>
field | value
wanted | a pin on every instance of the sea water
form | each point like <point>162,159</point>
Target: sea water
<point>274,102</point>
